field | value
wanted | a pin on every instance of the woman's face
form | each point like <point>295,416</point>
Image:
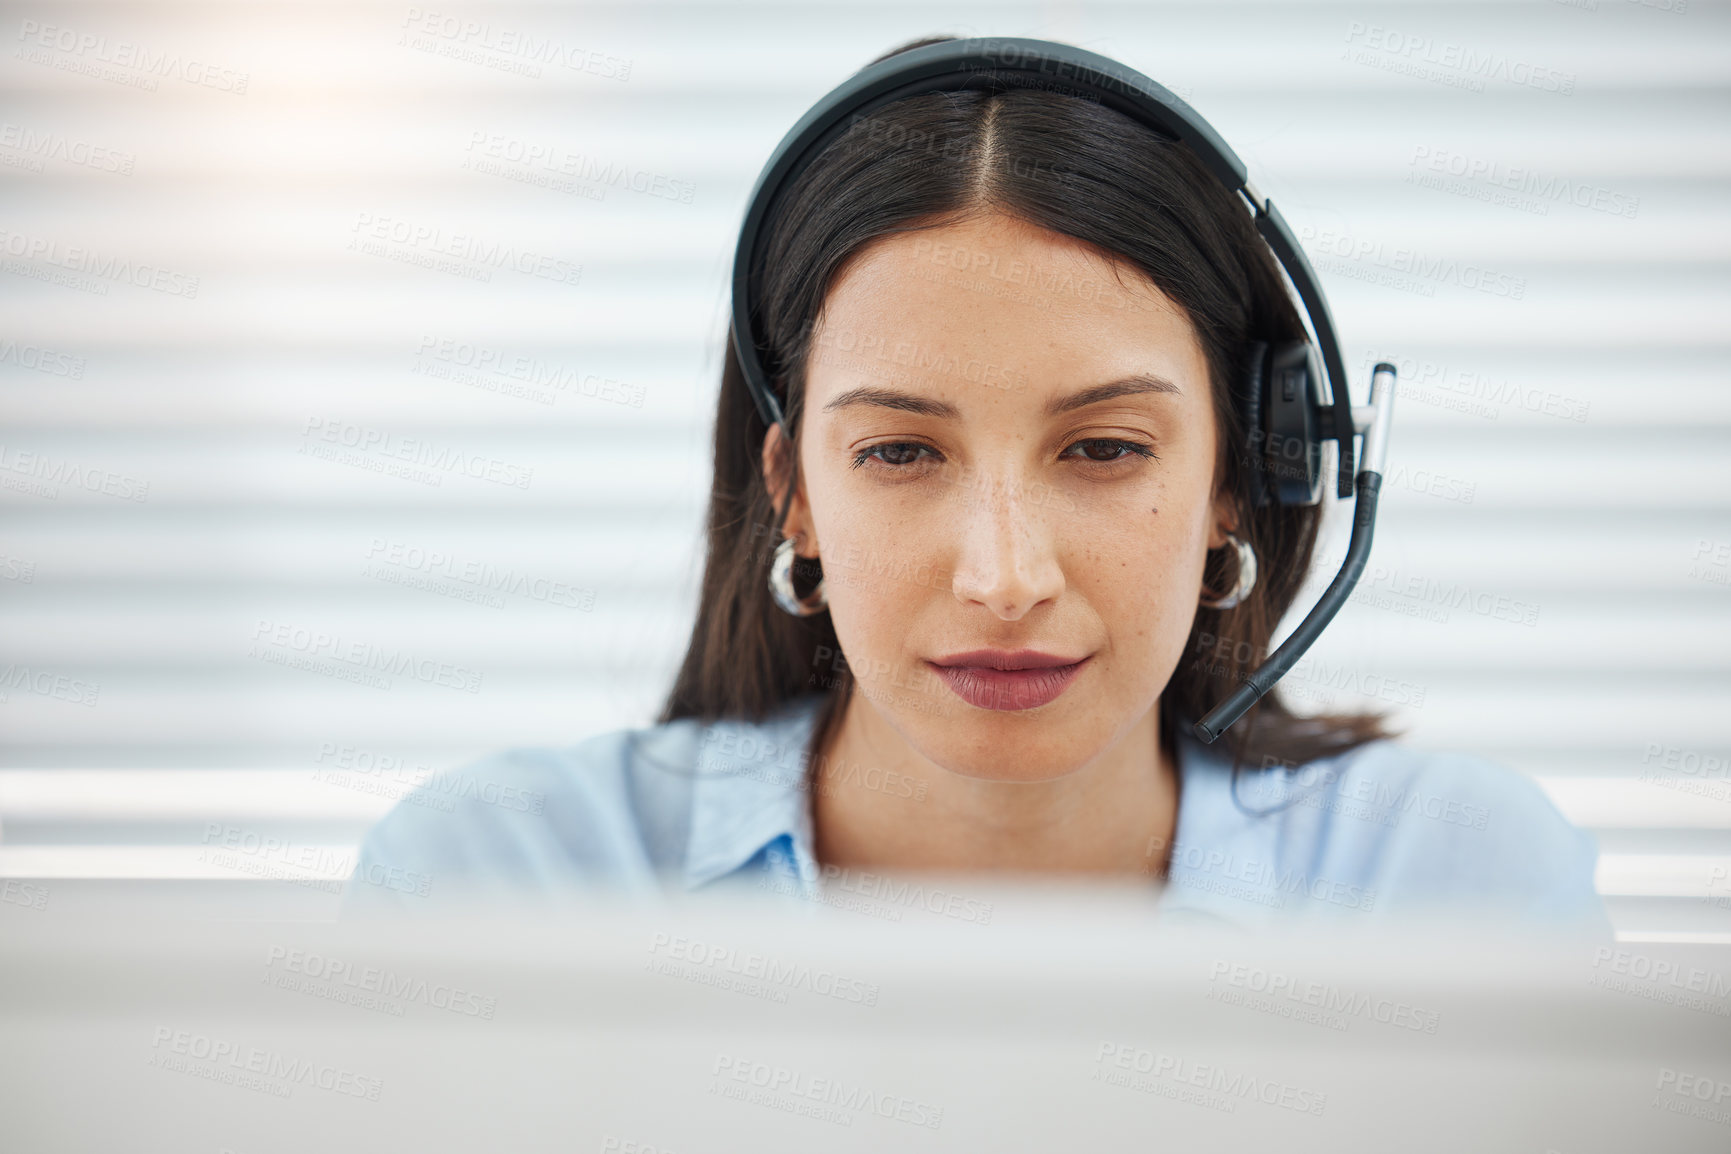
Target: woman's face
<point>1006,449</point>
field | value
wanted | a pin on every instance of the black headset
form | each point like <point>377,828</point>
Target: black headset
<point>1289,402</point>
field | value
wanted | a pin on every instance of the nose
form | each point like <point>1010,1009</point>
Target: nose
<point>1006,557</point>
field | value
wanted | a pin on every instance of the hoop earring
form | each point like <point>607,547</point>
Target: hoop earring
<point>1246,576</point>
<point>781,585</point>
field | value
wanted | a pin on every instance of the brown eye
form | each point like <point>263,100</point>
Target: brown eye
<point>897,454</point>
<point>1106,450</point>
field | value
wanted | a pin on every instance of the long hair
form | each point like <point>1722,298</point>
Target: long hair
<point>1073,167</point>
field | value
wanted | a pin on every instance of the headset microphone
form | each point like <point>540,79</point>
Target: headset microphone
<point>1375,423</point>
<point>1281,394</point>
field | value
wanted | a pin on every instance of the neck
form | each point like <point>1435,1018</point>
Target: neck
<point>1115,816</point>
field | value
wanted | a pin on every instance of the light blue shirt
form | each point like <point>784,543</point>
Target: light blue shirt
<point>1378,830</point>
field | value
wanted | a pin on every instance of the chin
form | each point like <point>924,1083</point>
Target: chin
<point>1011,757</point>
<point>1027,745</point>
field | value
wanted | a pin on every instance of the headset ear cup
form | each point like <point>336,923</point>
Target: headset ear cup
<point>1294,418</point>
<point>1251,386</point>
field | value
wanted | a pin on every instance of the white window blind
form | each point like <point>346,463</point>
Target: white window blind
<point>253,307</point>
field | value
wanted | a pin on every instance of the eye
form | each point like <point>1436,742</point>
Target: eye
<point>893,454</point>
<point>1119,450</point>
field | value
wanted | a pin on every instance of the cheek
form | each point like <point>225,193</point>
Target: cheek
<point>1141,572</point>
<point>876,565</point>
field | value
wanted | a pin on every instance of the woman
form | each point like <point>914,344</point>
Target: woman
<point>961,621</point>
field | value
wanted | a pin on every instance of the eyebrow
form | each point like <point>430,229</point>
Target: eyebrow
<point>1129,386</point>
<point>926,406</point>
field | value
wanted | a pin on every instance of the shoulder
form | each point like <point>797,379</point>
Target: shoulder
<point>1445,829</point>
<point>614,807</point>
<point>1387,828</point>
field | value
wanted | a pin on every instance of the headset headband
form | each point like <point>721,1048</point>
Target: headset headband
<point>998,65</point>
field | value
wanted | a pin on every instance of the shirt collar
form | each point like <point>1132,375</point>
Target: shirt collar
<point>1213,833</point>
<point>750,788</point>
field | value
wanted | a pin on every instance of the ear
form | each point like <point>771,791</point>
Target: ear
<point>775,474</point>
<point>1223,516</point>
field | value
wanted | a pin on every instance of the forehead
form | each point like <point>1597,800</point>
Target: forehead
<point>995,300</point>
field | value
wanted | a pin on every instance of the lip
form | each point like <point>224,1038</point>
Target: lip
<point>1007,680</point>
<point>1007,659</point>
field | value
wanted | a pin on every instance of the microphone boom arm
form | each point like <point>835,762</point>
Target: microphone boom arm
<point>1373,422</point>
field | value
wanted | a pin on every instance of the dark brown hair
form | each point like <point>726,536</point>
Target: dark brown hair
<point>1074,167</point>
